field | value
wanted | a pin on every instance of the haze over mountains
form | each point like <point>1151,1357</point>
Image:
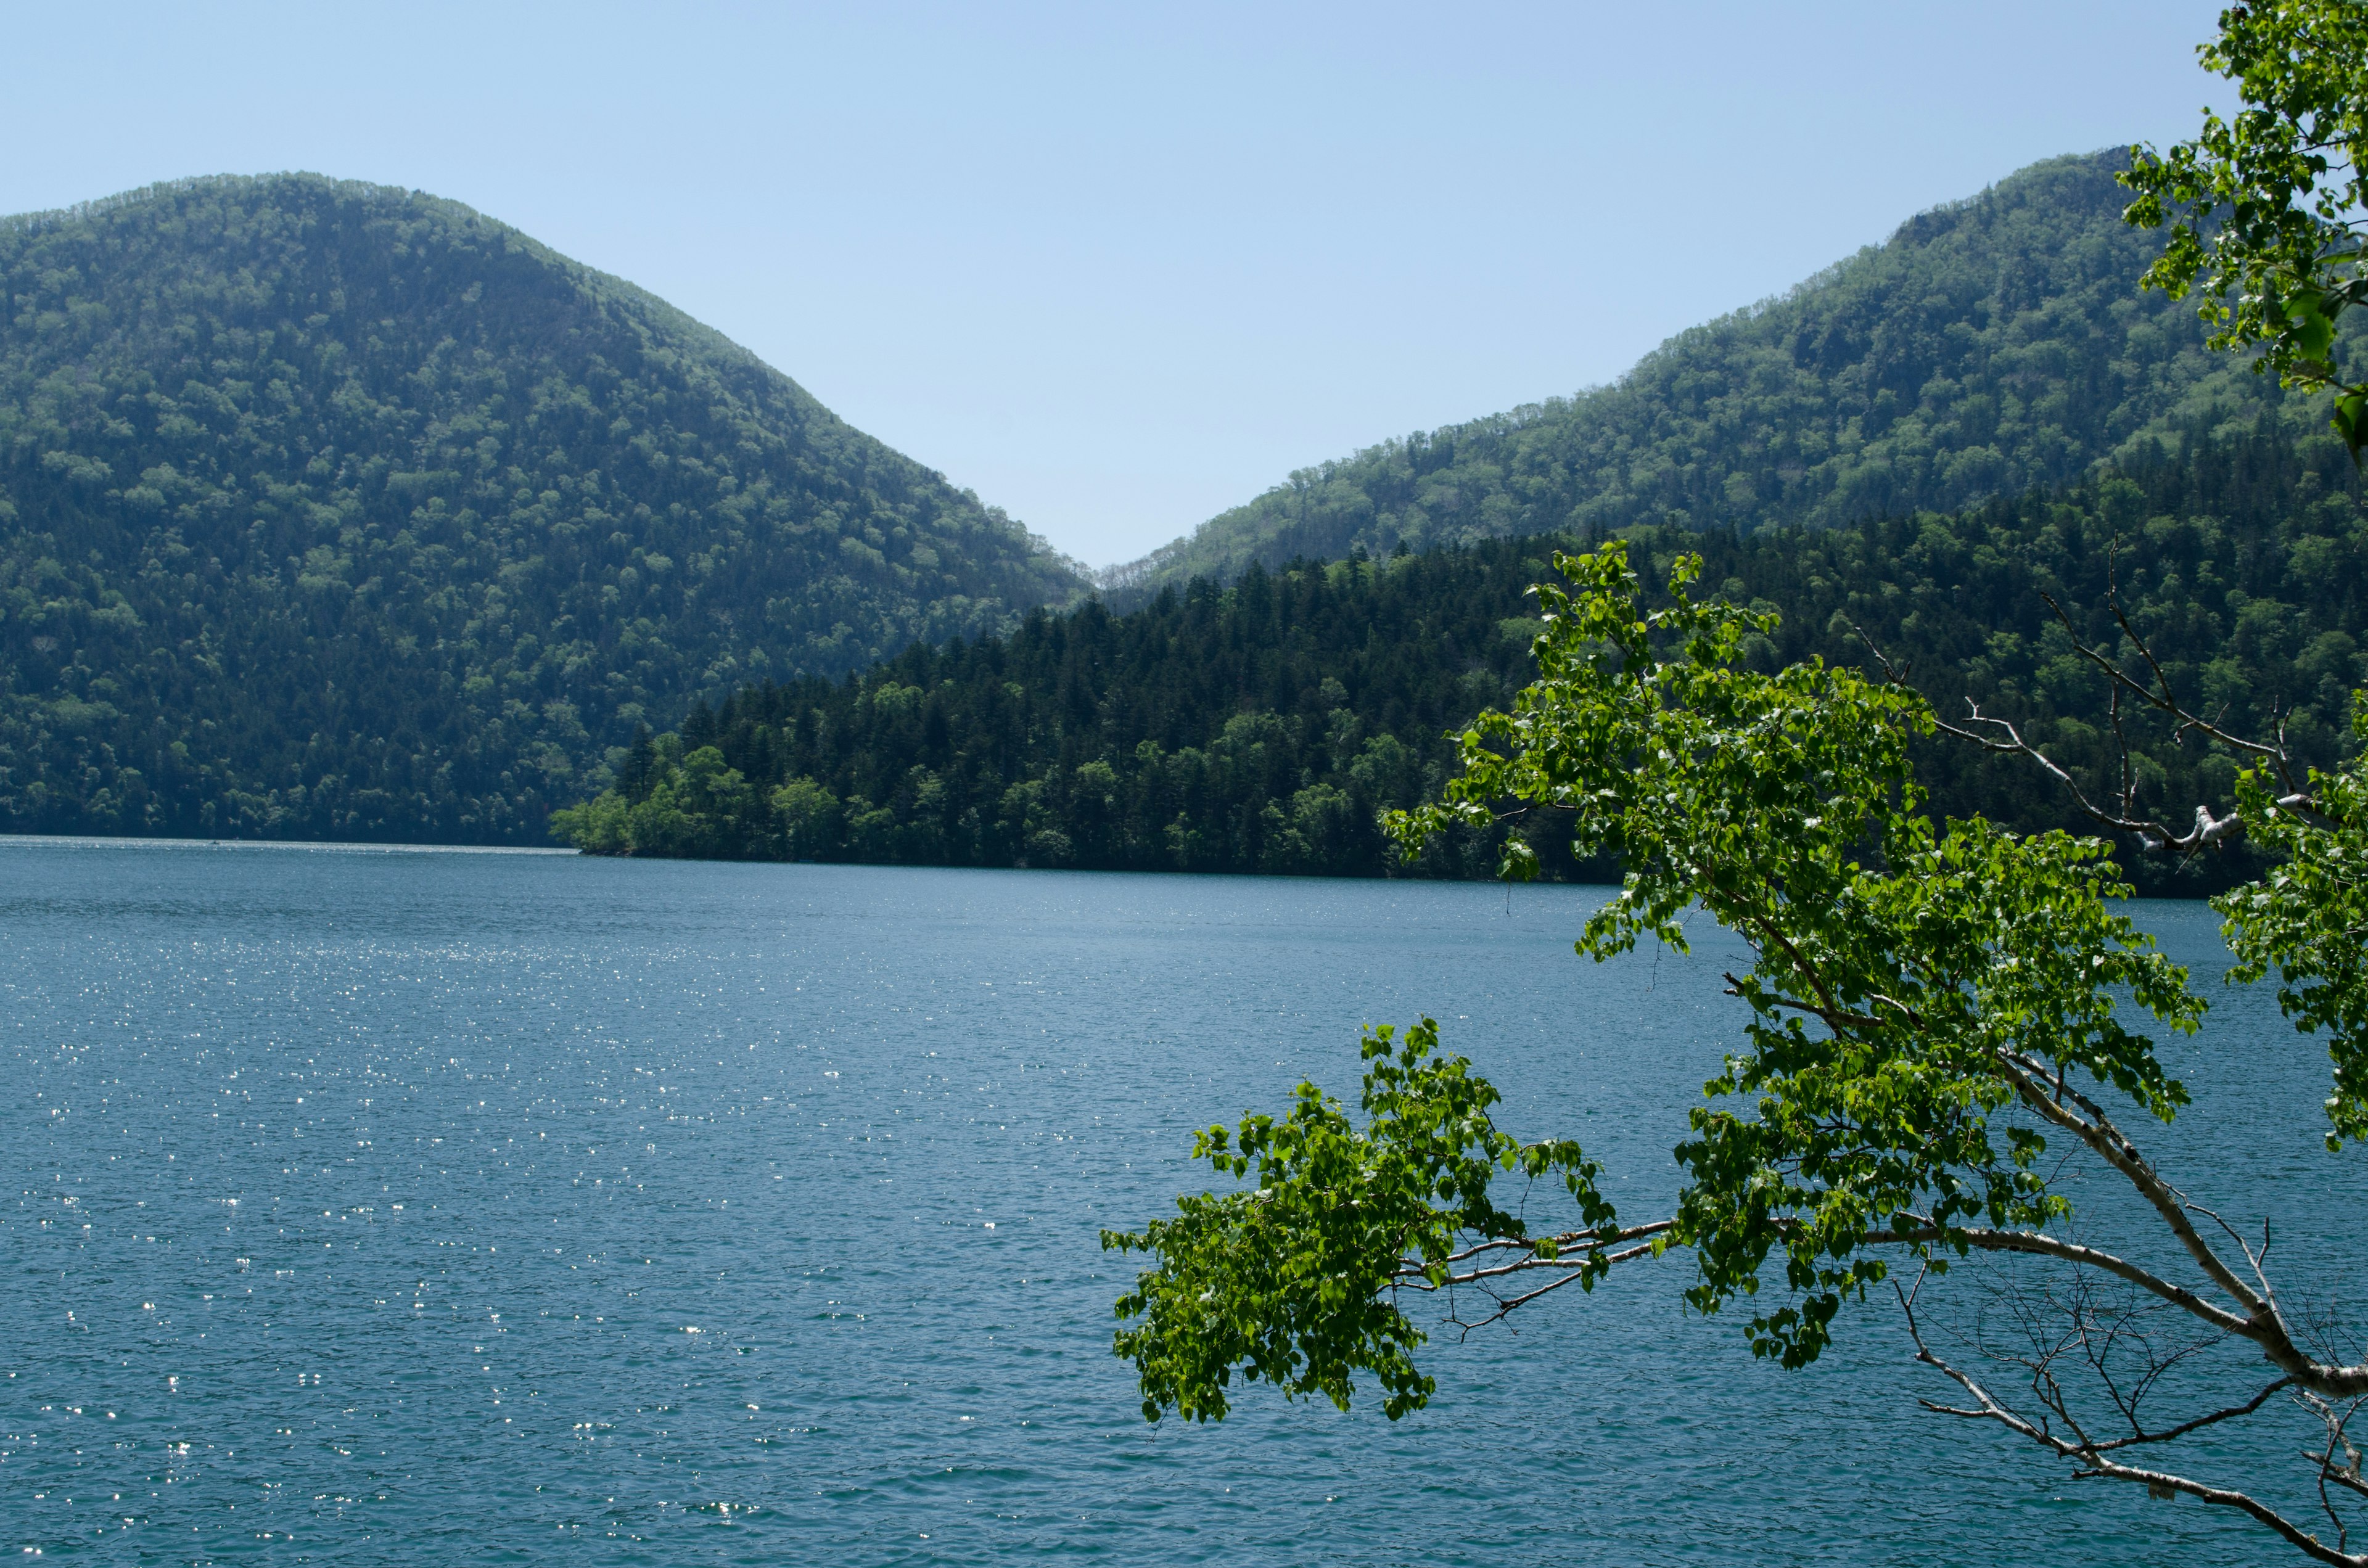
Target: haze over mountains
<point>332,511</point>
<point>1988,346</point>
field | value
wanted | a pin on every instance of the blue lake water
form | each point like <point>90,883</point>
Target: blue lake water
<point>361,1206</point>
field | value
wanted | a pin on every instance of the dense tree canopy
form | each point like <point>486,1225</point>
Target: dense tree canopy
<point>332,510</point>
<point>1256,728</point>
<point>1988,347</point>
<point>1259,727</point>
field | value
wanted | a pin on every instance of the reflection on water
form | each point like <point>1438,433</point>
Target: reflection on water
<point>365,1206</point>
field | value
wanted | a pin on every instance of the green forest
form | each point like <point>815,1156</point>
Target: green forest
<point>1260,726</point>
<point>332,511</point>
<point>1989,347</point>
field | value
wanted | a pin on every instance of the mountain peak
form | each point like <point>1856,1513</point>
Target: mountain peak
<point>1989,346</point>
<point>412,473</point>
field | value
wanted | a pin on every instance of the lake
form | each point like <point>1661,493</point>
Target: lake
<point>377,1205</point>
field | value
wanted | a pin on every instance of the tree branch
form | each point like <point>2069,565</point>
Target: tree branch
<point>2093,1463</point>
<point>2107,1140</point>
<point>2184,1427</point>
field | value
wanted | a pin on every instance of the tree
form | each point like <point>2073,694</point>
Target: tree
<point>1934,1045</point>
<point>2267,208</point>
<point>1928,1003</point>
<point>2306,917</point>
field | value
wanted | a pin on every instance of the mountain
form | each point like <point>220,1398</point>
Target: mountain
<point>1261,725</point>
<point>1987,347</point>
<point>330,510</point>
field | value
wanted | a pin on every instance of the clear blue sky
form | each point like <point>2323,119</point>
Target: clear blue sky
<point>1119,267</point>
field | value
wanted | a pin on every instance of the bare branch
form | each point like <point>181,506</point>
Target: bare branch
<point>2154,835</point>
<point>2252,1259</point>
<point>2158,695</point>
<point>2099,1133</point>
<point>2000,736</point>
<point>1506,1306</point>
<point>1564,1242</point>
<point>2162,1483</point>
<point>2094,1464</point>
<point>2173,1434</point>
<point>2037,1244</point>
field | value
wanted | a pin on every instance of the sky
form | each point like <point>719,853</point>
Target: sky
<point>1117,268</point>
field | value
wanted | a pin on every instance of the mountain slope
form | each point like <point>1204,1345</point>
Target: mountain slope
<point>1989,346</point>
<point>333,510</point>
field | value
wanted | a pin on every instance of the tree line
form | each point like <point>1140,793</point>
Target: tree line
<point>1262,726</point>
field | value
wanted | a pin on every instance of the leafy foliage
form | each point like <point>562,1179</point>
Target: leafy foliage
<point>331,510</point>
<point>1989,347</point>
<point>1292,1280</point>
<point>2308,918</point>
<point>2264,208</point>
<point>1910,981</point>
<point>1760,798</point>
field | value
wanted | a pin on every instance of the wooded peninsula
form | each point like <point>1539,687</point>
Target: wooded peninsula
<point>1263,725</point>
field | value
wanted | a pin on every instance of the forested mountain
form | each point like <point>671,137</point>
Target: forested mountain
<point>1259,726</point>
<point>328,510</point>
<point>1988,347</point>
<point>1256,727</point>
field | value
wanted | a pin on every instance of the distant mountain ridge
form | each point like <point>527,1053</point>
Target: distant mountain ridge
<point>331,510</point>
<point>1990,345</point>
